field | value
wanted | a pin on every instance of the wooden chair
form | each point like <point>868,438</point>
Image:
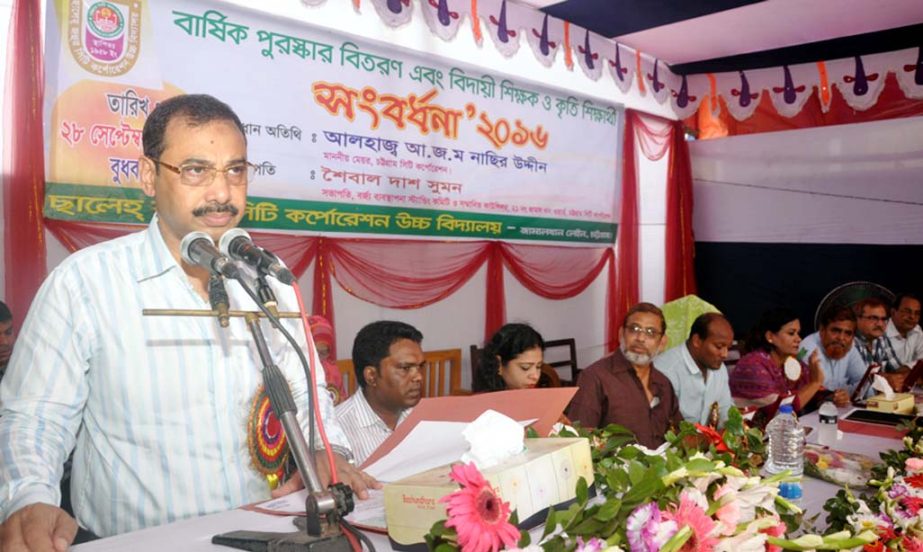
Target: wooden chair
<point>548,368</point>
<point>442,377</point>
<point>349,376</point>
<point>566,349</point>
<point>443,374</point>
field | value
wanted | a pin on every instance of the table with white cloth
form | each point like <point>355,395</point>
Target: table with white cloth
<point>195,534</point>
<point>816,491</point>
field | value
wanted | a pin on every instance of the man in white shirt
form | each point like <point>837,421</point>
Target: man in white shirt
<point>904,331</point>
<point>842,364</point>
<point>389,367</point>
<point>155,408</point>
<point>696,369</point>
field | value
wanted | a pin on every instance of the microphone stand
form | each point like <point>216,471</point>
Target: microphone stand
<point>321,531</point>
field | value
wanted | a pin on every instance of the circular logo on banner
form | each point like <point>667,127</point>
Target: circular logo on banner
<point>104,37</point>
<point>105,20</point>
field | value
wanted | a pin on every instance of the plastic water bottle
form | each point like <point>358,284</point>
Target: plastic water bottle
<point>828,424</point>
<point>786,443</point>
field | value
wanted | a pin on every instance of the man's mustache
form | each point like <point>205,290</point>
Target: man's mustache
<point>215,208</point>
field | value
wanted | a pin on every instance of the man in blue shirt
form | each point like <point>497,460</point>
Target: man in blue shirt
<point>842,364</point>
<point>696,368</point>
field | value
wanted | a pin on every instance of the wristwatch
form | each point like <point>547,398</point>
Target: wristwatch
<point>345,453</point>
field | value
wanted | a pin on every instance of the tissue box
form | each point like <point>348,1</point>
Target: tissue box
<point>544,475</point>
<point>901,403</point>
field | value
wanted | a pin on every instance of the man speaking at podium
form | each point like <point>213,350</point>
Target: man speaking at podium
<point>155,408</point>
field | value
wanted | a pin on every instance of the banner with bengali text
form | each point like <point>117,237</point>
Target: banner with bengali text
<point>347,136</point>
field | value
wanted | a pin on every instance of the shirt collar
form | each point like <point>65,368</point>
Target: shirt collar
<point>155,251</point>
<point>369,418</point>
<point>690,362</point>
<point>891,330</point>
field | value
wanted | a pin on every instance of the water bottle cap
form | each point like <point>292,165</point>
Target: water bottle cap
<point>786,409</point>
<point>791,490</point>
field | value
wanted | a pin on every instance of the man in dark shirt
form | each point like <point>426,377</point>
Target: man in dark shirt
<point>624,388</point>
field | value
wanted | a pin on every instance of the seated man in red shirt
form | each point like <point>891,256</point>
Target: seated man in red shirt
<point>625,388</point>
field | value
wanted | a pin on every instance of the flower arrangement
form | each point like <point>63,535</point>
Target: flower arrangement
<point>893,510</point>
<point>840,468</point>
<point>699,492</point>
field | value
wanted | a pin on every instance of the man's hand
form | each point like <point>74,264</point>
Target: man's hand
<point>39,528</point>
<point>896,380</point>
<point>815,371</point>
<point>841,398</point>
<point>357,479</point>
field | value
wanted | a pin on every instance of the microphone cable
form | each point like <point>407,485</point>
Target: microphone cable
<point>312,381</point>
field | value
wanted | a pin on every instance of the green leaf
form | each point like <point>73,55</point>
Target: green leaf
<point>636,472</point>
<point>582,491</point>
<point>609,509</point>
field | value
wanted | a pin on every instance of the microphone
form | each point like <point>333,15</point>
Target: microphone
<point>218,299</point>
<point>198,248</point>
<point>237,244</point>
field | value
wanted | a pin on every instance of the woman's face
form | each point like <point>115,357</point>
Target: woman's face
<point>786,340</point>
<point>523,371</point>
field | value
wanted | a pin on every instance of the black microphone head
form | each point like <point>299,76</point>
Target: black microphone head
<point>185,246</point>
<point>224,244</point>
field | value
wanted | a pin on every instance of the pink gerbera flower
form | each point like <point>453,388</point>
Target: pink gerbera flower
<point>691,514</point>
<point>477,513</point>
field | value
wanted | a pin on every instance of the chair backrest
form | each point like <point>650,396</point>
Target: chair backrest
<point>442,377</point>
<point>349,376</point>
<point>567,346</point>
<point>566,349</point>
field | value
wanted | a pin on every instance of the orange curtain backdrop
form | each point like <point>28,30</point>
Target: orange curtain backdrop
<point>679,241</point>
<point>24,188</point>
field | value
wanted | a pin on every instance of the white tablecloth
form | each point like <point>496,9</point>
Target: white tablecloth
<point>816,492</point>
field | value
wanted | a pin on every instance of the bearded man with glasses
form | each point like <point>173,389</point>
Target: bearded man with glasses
<point>625,388</point>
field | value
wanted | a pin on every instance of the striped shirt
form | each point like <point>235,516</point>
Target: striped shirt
<point>881,352</point>
<point>363,427</point>
<point>156,406</point>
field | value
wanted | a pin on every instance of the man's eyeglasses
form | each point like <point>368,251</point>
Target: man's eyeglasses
<point>637,330</point>
<point>874,318</point>
<point>197,174</point>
